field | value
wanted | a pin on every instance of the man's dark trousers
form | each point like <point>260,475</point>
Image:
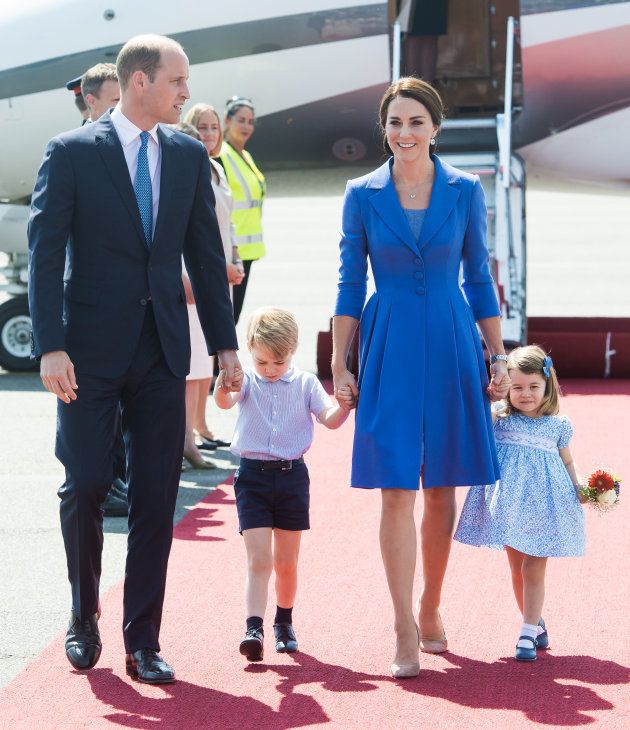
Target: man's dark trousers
<point>153,422</point>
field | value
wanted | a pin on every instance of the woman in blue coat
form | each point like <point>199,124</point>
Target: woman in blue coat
<point>423,415</point>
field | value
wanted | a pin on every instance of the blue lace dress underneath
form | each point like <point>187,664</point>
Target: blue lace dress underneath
<point>533,508</point>
<point>415,218</point>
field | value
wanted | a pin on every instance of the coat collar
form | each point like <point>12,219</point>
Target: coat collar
<point>444,195</point>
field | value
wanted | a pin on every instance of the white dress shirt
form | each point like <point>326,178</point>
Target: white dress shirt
<point>129,136</point>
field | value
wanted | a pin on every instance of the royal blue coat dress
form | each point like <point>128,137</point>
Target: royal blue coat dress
<point>422,407</point>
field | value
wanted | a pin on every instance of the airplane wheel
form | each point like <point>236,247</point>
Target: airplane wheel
<point>15,336</point>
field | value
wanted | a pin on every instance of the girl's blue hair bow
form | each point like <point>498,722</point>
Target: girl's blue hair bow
<point>547,365</point>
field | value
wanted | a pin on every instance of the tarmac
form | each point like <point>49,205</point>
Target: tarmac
<point>578,265</point>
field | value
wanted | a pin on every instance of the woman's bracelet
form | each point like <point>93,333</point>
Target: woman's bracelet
<point>498,358</point>
<point>237,261</point>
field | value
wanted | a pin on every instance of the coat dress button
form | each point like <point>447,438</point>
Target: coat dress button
<point>418,261</point>
<point>419,275</point>
<point>143,302</point>
<point>420,290</point>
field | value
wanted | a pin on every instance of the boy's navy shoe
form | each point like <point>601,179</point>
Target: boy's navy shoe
<point>285,638</point>
<point>526,653</point>
<point>542,641</point>
<point>252,645</point>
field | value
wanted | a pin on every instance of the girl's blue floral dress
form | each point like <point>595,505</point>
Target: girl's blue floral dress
<point>533,508</point>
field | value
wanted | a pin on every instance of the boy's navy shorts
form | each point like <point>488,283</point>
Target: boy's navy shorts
<point>272,494</point>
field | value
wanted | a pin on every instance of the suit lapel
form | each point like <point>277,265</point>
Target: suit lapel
<point>168,151</point>
<point>443,198</point>
<point>387,205</point>
<point>114,158</point>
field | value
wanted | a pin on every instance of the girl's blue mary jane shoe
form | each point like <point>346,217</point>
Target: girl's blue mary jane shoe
<point>527,652</point>
<point>542,641</point>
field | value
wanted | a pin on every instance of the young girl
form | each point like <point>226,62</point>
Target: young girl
<point>534,511</point>
<point>276,404</point>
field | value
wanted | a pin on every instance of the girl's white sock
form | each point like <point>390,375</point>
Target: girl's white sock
<point>530,630</point>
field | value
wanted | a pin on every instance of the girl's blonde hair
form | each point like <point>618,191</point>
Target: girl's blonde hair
<point>194,114</point>
<point>275,329</point>
<point>530,360</point>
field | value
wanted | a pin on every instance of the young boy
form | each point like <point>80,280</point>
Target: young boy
<point>273,431</point>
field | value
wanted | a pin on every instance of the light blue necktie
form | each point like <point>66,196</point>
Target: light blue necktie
<point>143,190</point>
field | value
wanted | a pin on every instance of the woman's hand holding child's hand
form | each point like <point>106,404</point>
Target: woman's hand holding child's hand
<point>500,383</point>
<point>345,398</point>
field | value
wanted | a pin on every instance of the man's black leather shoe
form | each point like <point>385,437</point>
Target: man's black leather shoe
<point>83,642</point>
<point>115,505</point>
<point>252,645</point>
<point>286,640</point>
<point>147,666</point>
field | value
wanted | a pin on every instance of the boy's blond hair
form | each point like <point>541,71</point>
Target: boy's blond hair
<point>275,329</point>
<point>529,360</point>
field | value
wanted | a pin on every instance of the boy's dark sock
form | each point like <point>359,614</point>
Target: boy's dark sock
<point>254,622</point>
<point>284,615</point>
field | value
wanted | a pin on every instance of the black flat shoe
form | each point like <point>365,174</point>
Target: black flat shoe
<point>212,444</point>
<point>286,640</point>
<point>83,642</point>
<point>207,445</point>
<point>252,645</point>
<point>146,665</point>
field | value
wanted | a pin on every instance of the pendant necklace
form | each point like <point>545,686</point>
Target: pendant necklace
<point>413,193</point>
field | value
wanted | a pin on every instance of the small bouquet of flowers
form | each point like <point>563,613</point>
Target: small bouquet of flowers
<point>601,489</point>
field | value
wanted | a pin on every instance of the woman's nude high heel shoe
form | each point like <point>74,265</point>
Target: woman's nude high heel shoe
<point>434,646</point>
<point>406,671</point>
<point>198,462</point>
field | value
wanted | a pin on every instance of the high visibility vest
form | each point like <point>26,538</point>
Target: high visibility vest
<point>247,184</point>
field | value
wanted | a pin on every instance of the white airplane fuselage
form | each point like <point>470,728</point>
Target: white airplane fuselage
<point>315,70</point>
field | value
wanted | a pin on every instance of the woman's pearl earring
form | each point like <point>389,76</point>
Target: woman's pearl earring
<point>433,140</point>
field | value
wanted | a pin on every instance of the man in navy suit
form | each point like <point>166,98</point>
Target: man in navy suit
<point>126,197</point>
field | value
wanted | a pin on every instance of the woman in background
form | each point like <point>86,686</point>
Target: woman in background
<point>200,376</point>
<point>247,184</point>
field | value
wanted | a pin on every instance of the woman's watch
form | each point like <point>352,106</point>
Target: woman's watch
<point>498,358</point>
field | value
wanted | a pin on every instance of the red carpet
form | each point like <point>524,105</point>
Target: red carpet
<point>343,621</point>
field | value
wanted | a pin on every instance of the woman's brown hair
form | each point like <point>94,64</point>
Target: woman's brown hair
<point>530,360</point>
<point>411,87</point>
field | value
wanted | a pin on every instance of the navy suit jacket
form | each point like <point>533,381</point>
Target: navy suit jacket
<point>84,202</point>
